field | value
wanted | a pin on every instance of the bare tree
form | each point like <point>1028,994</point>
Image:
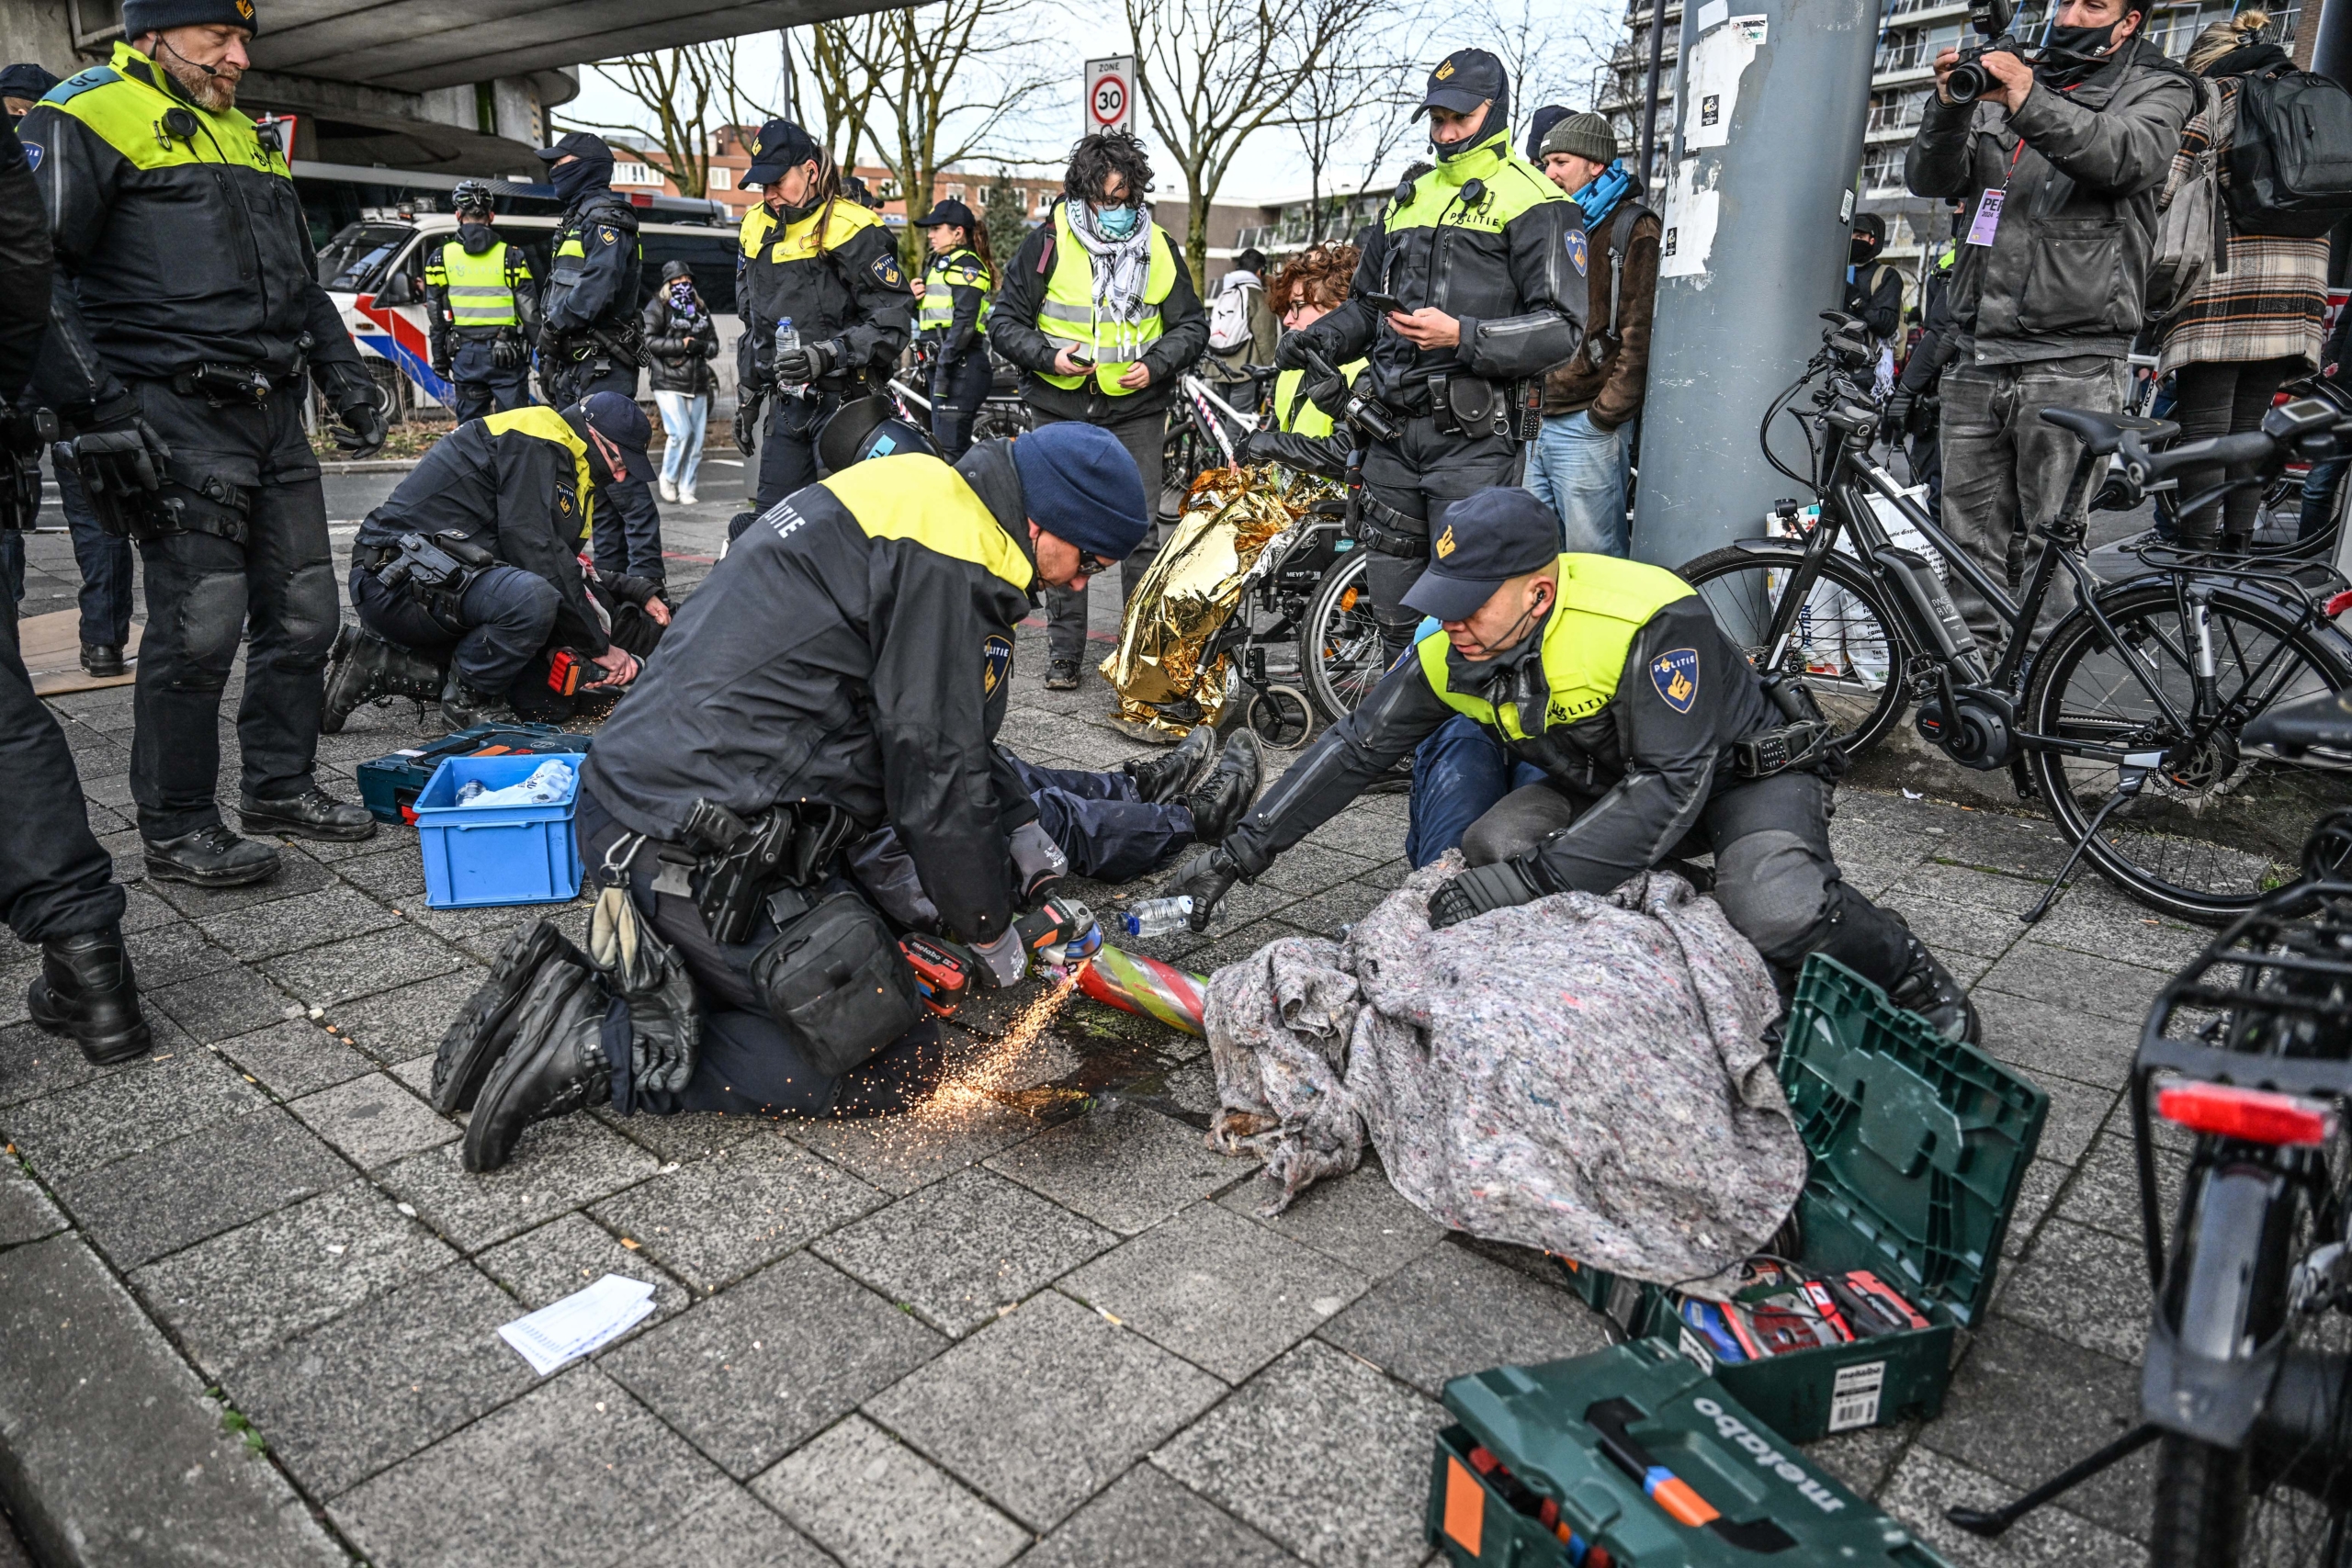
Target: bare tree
<point>1354,112</point>
<point>1551,56</point>
<point>687,95</point>
<point>1213,73</point>
<point>842,90</point>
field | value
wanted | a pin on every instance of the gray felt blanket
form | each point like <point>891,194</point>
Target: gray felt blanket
<point>1583,1074</point>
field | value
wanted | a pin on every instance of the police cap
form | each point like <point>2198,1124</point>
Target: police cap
<point>780,145</point>
<point>1463,80</point>
<point>1478,543</point>
<point>950,211</point>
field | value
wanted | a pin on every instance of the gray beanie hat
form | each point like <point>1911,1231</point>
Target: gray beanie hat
<point>1583,135</point>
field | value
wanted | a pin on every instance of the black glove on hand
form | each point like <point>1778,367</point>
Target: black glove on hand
<point>1330,395</point>
<point>1261,446</point>
<point>1897,415</point>
<point>442,365</point>
<point>807,363</point>
<point>1290,352</point>
<point>364,429</point>
<point>506,354</point>
<point>1478,890</point>
<point>746,426</point>
<point>1205,878</point>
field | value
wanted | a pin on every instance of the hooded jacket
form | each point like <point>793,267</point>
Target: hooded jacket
<point>678,349</point>
<point>2080,171</point>
<point>852,649</point>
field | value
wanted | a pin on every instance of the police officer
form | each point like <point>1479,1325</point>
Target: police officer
<point>179,352</point>
<point>847,661</point>
<point>958,282</point>
<point>57,886</point>
<point>1100,310</point>
<point>481,302</point>
<point>1488,260</point>
<point>815,257</point>
<point>510,498</point>
<point>1611,678</point>
<point>589,337</point>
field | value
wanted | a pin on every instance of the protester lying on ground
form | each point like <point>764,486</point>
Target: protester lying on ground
<point>845,666</point>
<point>1654,738</point>
<point>1306,435</point>
<point>505,503</point>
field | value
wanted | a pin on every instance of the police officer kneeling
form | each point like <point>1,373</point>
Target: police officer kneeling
<point>1656,738</point>
<point>842,666</point>
<point>475,560</point>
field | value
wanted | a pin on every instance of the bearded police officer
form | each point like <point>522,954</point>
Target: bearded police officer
<point>176,357</point>
<point>591,339</point>
<point>509,499</point>
<point>481,306</point>
<point>1655,738</point>
<point>952,320</point>
<point>1487,262</point>
<point>825,263</point>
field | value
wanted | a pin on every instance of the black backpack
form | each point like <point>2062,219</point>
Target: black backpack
<point>2290,164</point>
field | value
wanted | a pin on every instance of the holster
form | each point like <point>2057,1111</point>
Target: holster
<point>22,437</point>
<point>1473,406</point>
<point>224,386</point>
<point>792,846</point>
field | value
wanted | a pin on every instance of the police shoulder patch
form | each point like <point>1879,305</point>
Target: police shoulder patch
<point>1675,673</point>
<point>608,236</point>
<point>996,658</point>
<point>32,157</point>
<point>1579,251</point>
<point>887,270</point>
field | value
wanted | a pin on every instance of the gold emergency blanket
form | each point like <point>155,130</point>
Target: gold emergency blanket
<point>1193,588</point>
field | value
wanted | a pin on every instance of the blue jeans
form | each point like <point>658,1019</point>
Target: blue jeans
<point>105,561</point>
<point>686,415</point>
<point>2319,496</point>
<point>1578,470</point>
<point>1110,833</point>
<point>1458,775</point>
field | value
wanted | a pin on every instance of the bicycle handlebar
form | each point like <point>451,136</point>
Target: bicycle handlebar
<point>2144,468</point>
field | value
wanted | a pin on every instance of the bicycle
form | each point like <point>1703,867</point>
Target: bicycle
<point>2125,722</point>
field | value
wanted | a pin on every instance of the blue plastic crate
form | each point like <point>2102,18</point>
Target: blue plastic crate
<point>502,854</point>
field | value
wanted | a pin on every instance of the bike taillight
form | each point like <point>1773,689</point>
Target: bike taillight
<point>2253,1115</point>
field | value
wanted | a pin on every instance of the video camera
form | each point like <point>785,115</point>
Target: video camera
<point>1359,409</point>
<point>1968,80</point>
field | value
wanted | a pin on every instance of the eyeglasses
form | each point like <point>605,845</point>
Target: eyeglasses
<point>1089,563</point>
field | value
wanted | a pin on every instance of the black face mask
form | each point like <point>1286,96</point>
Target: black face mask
<point>2069,55</point>
<point>476,237</point>
<point>1861,250</point>
<point>577,178</point>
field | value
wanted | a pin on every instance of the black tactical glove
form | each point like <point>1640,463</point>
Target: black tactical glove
<point>1290,352</point>
<point>122,463</point>
<point>506,354</point>
<point>362,429</point>
<point>747,423</point>
<point>805,364</point>
<point>1261,446</point>
<point>1897,415</point>
<point>1205,878</point>
<point>1330,395</point>
<point>1479,890</point>
<point>550,348</point>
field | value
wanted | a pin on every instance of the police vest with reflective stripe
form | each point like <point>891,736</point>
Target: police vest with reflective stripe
<point>946,272</point>
<point>1603,604</point>
<point>916,496</point>
<point>545,424</point>
<point>1067,314</point>
<point>117,102</point>
<point>479,288</point>
<point>1295,414</point>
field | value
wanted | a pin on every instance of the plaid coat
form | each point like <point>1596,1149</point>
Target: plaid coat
<point>2270,302</point>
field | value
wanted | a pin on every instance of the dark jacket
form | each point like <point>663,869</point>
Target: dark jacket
<point>25,262</point>
<point>1648,768</point>
<point>678,349</point>
<point>850,293</point>
<point>964,278</point>
<point>2069,257</point>
<point>1874,296</point>
<point>1507,270</point>
<point>595,290</point>
<point>1939,338</point>
<point>857,663</point>
<point>1608,377</point>
<point>514,494</point>
<point>168,261</point>
<point>1013,331</point>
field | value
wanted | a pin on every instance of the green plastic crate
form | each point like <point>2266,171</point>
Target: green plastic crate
<point>1558,1499</point>
<point>1919,1146</point>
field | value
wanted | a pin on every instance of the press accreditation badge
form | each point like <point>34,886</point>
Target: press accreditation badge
<point>1988,218</point>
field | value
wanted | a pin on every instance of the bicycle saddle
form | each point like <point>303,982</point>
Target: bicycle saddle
<point>2323,719</point>
<point>2103,433</point>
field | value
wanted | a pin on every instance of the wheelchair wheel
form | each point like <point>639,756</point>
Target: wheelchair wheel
<point>1280,718</point>
<point>1339,642</point>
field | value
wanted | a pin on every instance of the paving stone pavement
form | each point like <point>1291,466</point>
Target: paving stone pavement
<point>1059,1332</point>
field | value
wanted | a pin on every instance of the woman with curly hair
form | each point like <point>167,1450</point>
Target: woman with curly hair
<point>1306,435</point>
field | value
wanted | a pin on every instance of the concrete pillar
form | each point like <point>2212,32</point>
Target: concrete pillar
<point>1769,105</point>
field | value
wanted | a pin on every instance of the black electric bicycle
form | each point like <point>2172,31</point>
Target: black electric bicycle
<point>2126,722</point>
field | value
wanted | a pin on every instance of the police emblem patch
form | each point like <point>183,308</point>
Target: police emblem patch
<point>1445,71</point>
<point>607,237</point>
<point>887,270</point>
<point>32,156</point>
<point>996,658</point>
<point>1446,542</point>
<point>1579,251</point>
<point>1675,673</point>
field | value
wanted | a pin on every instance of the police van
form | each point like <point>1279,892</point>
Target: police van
<point>377,238</point>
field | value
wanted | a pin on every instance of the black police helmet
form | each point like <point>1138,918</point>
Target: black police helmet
<point>866,427</point>
<point>472,199</point>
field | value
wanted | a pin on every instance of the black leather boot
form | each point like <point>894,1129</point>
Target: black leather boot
<point>464,706</point>
<point>211,857</point>
<point>313,814</point>
<point>102,661</point>
<point>85,989</point>
<point>1162,778</point>
<point>365,669</point>
<point>1227,792</point>
<point>1061,674</point>
<point>1928,989</point>
<point>555,1066</point>
<point>480,1034</point>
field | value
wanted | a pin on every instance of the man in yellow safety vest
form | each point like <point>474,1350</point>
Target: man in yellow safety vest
<point>482,311</point>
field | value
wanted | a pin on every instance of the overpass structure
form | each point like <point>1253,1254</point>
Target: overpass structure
<point>454,87</point>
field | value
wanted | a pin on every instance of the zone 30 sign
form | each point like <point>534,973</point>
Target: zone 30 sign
<point>1111,93</point>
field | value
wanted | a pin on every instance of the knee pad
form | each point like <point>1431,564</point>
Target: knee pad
<point>1778,892</point>
<point>212,625</point>
<point>312,616</point>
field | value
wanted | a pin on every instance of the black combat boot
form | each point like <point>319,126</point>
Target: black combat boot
<point>85,989</point>
<point>555,1066</point>
<point>313,814</point>
<point>366,668</point>
<point>481,1033</point>
<point>211,857</point>
<point>1227,792</point>
<point>1928,989</point>
<point>1061,674</point>
<point>465,706</point>
<point>1162,778</point>
<point>102,661</point>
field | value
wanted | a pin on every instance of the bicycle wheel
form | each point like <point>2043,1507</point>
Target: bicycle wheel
<point>2214,829</point>
<point>1846,652</point>
<point>1339,642</point>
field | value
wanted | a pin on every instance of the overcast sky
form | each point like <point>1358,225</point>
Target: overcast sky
<point>1271,164</point>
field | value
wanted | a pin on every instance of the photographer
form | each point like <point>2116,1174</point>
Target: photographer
<point>2059,164</point>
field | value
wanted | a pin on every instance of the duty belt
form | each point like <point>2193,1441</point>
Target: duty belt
<point>223,385</point>
<point>1384,528</point>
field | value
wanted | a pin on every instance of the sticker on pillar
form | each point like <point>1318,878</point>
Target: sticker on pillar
<point>1710,110</point>
<point>1718,61</point>
<point>1714,14</point>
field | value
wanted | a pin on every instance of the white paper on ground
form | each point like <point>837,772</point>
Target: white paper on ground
<point>583,1322</point>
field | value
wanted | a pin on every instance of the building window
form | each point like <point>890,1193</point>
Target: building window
<point>721,177</point>
<point>1882,169</point>
<point>631,173</point>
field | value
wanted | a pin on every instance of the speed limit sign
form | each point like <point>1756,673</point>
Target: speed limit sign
<point>1109,93</point>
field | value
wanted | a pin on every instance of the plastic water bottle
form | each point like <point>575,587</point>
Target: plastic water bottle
<point>1157,917</point>
<point>470,788</point>
<point>788,341</point>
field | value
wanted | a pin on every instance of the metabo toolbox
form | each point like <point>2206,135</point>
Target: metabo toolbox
<point>1919,1143</point>
<point>389,785</point>
<point>1634,1457</point>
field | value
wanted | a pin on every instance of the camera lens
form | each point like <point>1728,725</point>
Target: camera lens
<point>1969,81</point>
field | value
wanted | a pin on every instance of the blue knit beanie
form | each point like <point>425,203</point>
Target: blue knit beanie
<point>1078,483</point>
<point>141,18</point>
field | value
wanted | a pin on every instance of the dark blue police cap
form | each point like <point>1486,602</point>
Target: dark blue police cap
<point>1478,543</point>
<point>780,145</point>
<point>949,211</point>
<point>1463,80</point>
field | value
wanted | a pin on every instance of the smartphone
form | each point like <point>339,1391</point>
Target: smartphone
<point>1385,302</point>
<point>1079,356</point>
